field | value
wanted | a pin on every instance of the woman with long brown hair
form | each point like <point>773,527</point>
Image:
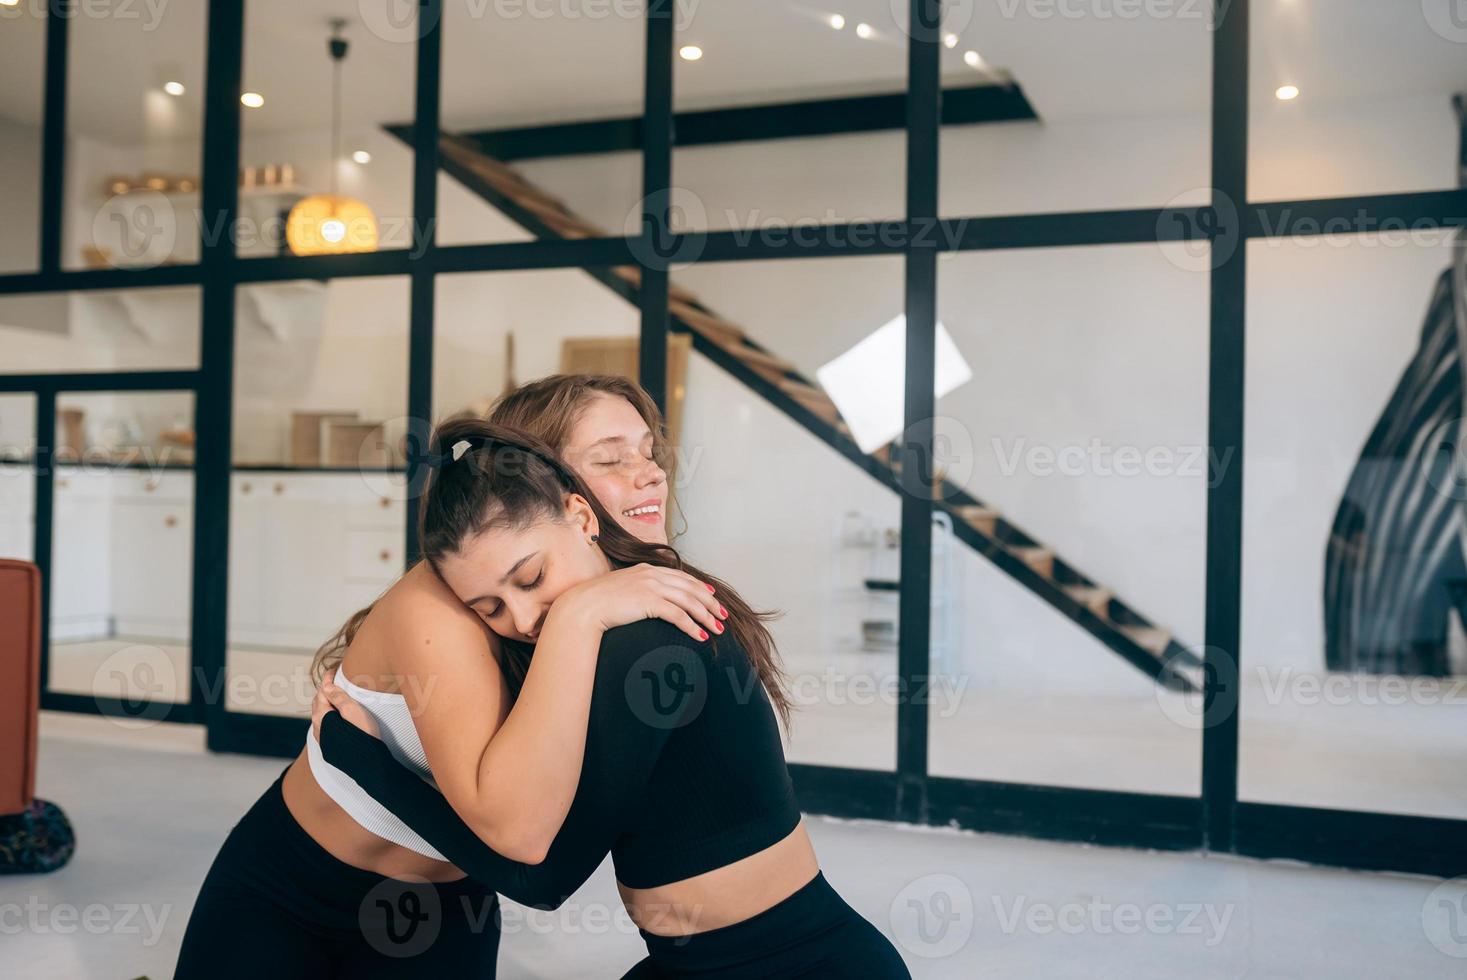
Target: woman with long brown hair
<point>684,780</point>
<point>306,868</point>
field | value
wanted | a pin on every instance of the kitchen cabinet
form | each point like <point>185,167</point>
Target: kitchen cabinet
<point>81,555</point>
<point>17,511</point>
<point>323,545</point>
<point>152,529</point>
<point>306,551</point>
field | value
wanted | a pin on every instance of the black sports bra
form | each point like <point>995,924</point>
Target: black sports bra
<point>684,772</point>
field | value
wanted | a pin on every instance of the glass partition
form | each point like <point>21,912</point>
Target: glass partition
<point>1077,473</point>
<point>122,548</point>
<point>22,103</point>
<point>1353,574</point>
<point>135,97</point>
<point>317,497</point>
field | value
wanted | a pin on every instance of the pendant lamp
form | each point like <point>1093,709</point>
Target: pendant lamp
<point>331,224</point>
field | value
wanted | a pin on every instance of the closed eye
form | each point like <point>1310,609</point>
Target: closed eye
<point>494,610</point>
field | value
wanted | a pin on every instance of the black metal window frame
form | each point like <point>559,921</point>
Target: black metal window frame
<point>1214,820</point>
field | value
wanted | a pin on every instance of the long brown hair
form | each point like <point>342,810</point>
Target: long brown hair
<point>549,409</point>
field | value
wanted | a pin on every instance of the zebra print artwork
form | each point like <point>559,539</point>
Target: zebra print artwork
<point>1394,566</point>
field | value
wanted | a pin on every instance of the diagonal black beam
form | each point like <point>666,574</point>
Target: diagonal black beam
<point>969,105</point>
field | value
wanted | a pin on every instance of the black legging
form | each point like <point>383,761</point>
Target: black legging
<point>277,905</point>
<point>812,934</point>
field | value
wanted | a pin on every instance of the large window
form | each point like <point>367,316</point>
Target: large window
<point>1173,475</point>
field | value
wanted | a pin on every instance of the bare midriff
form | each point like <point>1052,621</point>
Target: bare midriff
<point>345,839</point>
<point>726,895</point>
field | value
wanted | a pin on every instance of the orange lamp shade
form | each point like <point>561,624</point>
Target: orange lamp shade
<point>330,224</point>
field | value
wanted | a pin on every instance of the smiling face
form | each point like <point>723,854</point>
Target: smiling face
<point>610,447</point>
<point>511,576</point>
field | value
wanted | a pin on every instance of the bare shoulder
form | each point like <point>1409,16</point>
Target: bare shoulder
<point>420,612</point>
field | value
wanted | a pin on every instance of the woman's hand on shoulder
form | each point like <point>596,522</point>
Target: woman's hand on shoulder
<point>645,591</point>
<point>330,697</point>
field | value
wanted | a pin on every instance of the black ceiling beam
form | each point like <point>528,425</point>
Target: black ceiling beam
<point>782,120</point>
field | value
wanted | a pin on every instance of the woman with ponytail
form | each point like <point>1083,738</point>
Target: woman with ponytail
<point>683,779</point>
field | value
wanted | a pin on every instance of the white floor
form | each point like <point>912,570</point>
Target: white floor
<point>150,808</point>
<point>1355,748</point>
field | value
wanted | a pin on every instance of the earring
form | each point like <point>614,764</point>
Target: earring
<point>595,538</point>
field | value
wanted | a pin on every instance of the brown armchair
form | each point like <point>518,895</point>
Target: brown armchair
<point>35,835</point>
<point>20,682</point>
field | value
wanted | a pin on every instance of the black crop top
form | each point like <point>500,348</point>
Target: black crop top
<point>684,772</point>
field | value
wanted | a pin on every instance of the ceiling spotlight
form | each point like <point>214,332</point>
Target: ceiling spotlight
<point>1287,93</point>
<point>173,88</point>
<point>865,32</point>
<point>252,100</point>
<point>361,156</point>
<point>972,59</point>
<point>9,3</point>
<point>949,40</point>
<point>836,21</point>
<point>690,52</point>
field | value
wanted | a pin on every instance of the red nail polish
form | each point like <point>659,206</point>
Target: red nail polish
<point>710,588</point>
<point>718,626</point>
<point>702,634</point>
<point>723,612</point>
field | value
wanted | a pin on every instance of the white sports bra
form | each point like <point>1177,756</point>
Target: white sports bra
<point>395,722</point>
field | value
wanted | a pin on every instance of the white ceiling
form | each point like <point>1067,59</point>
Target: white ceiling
<point>513,70</point>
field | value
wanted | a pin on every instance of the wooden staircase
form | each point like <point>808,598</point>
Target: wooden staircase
<point>1093,607</point>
